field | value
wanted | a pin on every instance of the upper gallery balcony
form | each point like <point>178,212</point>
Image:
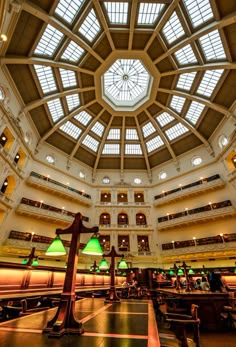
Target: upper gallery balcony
<point>201,214</point>
<point>55,187</point>
<point>194,188</point>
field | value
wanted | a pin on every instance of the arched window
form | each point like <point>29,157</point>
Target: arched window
<point>105,197</point>
<point>143,244</point>
<point>4,186</point>
<point>123,243</point>
<point>123,219</point>
<point>138,197</point>
<point>140,219</point>
<point>122,198</point>
<point>105,219</point>
<point>3,139</point>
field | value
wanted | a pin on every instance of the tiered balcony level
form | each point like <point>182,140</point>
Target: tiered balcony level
<point>47,184</point>
<point>194,188</point>
<point>223,209</point>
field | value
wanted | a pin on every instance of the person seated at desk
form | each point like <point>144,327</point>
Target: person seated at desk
<point>134,288</point>
<point>204,285</point>
<point>178,284</point>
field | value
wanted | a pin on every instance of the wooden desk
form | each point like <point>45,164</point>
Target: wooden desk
<point>128,323</point>
<point>210,305</point>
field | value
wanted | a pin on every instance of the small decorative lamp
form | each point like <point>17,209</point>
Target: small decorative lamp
<point>191,272</point>
<point>56,248</point>
<point>171,272</point>
<point>122,264</point>
<point>180,272</point>
<point>24,262</point>
<point>35,262</point>
<point>93,247</point>
<point>103,265</point>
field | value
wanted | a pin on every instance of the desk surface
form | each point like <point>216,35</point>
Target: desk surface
<point>197,293</point>
<point>128,323</point>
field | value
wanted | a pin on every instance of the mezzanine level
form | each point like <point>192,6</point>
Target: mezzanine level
<point>194,188</point>
<point>47,184</point>
<point>48,213</point>
<point>223,209</point>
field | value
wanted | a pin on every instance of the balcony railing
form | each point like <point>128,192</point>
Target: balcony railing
<point>201,214</point>
<point>64,190</point>
<point>209,183</point>
<point>46,212</point>
<point>126,226</point>
<point>117,203</point>
<point>5,200</point>
<point>28,240</point>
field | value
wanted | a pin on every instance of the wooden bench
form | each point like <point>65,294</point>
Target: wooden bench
<point>35,304</point>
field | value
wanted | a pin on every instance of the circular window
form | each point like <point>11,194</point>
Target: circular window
<point>50,159</point>
<point>137,180</point>
<point>196,161</point>
<point>162,175</point>
<point>106,180</point>
<point>82,175</point>
<point>223,141</point>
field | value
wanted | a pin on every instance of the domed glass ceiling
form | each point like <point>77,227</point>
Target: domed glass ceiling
<point>126,82</point>
<point>177,56</point>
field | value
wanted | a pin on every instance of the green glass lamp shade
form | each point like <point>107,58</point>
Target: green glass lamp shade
<point>191,272</point>
<point>235,271</point>
<point>93,247</point>
<point>24,262</point>
<point>97,270</point>
<point>122,264</point>
<point>35,262</point>
<point>107,272</point>
<point>171,272</point>
<point>103,265</point>
<point>56,248</point>
<point>180,272</point>
<point>124,274</point>
<point>202,272</point>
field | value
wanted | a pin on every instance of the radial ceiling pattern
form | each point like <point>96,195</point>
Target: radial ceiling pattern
<point>124,84</point>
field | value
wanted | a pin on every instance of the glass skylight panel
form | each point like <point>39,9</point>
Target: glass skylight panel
<point>154,143</point>
<point>126,82</point>
<point>46,78</point>
<point>209,82</point>
<point>111,148</point>
<point>83,117</point>
<point>73,52</point>
<point>185,80</point>
<point>73,101</point>
<point>176,131</point>
<point>98,128</point>
<point>131,134</point>
<point>148,129</point>
<point>133,149</point>
<point>68,78</point>
<point>149,12</point>
<point>49,41</point>
<point>114,134</point>
<point>164,118</point>
<point>212,46</point>
<point>186,55</point>
<point>68,9</point>
<point>90,27</point>
<point>71,129</point>
<point>55,109</point>
<point>91,143</point>
<point>199,11</point>
<point>173,29</point>
<point>194,112</point>
<point>177,103</point>
<point>117,12</point>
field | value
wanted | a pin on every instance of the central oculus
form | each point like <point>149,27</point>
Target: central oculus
<point>126,84</point>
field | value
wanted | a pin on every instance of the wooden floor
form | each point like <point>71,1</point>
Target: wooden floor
<point>130,323</point>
